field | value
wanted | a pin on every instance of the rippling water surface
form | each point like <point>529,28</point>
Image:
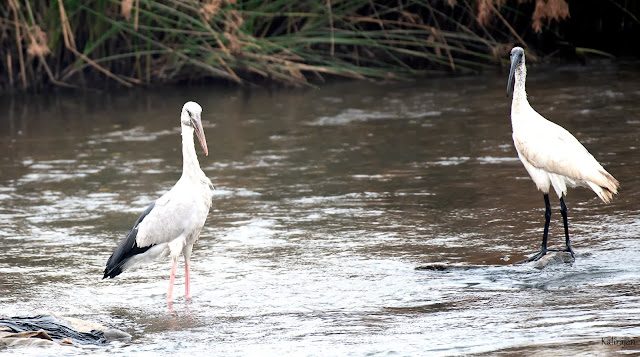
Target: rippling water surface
<point>326,202</point>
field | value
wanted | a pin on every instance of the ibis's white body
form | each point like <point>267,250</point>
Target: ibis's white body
<point>551,155</point>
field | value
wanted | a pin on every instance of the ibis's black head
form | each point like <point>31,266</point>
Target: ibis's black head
<point>517,59</point>
<point>191,116</point>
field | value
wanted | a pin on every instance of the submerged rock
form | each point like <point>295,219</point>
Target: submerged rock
<point>550,259</point>
<point>448,267</point>
<point>52,329</point>
<point>553,258</point>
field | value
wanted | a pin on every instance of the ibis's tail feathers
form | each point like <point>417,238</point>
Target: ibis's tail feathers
<point>606,187</point>
<point>613,184</point>
<point>127,249</point>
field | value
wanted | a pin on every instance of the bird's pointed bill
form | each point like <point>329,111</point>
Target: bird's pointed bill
<point>514,65</point>
<point>517,59</point>
<point>197,124</point>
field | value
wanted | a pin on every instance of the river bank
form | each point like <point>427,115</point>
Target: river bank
<point>126,43</point>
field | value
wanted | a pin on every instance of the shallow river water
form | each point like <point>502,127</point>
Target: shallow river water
<point>326,202</point>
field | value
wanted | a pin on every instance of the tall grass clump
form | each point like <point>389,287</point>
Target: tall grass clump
<point>135,42</point>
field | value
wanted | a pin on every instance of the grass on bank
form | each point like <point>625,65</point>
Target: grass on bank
<point>137,42</point>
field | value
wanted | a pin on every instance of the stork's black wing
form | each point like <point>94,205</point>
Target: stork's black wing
<point>127,249</point>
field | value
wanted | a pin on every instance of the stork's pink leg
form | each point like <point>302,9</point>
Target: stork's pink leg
<point>187,295</point>
<point>172,278</point>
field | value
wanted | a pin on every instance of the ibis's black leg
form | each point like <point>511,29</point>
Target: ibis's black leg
<point>547,218</point>
<point>563,211</point>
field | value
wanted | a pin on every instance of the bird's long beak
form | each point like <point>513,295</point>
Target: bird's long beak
<point>514,65</point>
<point>197,124</point>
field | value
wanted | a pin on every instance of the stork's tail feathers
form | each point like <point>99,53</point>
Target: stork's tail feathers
<point>606,187</point>
<point>112,272</point>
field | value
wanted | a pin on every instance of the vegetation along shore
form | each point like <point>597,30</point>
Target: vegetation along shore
<point>106,43</point>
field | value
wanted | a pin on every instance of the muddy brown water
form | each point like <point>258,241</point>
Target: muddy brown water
<point>326,201</point>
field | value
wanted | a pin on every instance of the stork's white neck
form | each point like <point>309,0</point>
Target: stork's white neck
<point>190,164</point>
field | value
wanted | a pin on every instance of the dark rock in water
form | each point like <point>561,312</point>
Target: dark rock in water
<point>550,259</point>
<point>52,327</point>
<point>447,267</point>
<point>45,330</point>
<point>434,267</point>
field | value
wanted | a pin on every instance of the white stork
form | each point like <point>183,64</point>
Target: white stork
<point>551,155</point>
<point>172,224</point>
